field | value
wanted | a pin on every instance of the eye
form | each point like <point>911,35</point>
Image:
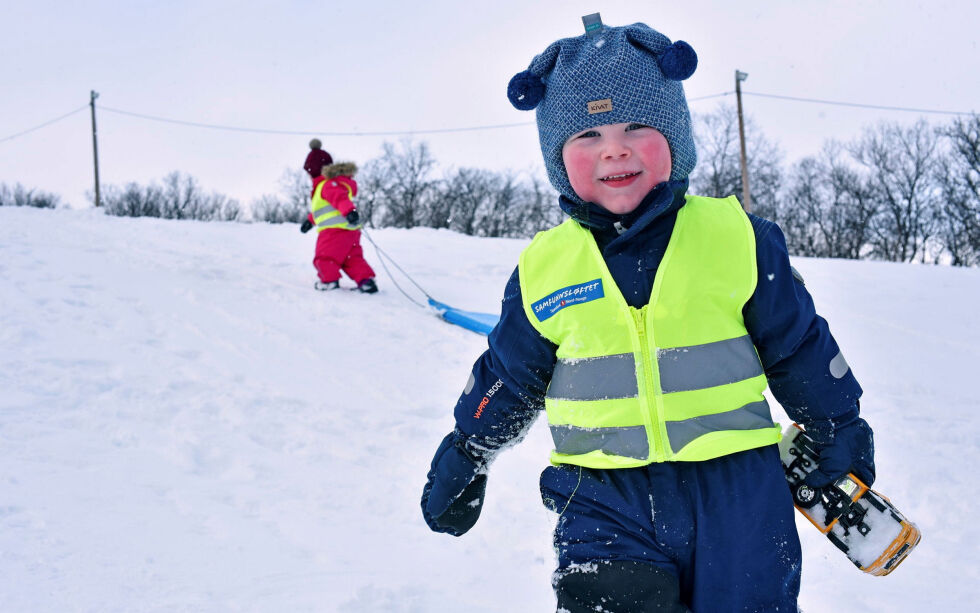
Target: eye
<point>588,134</point>
<point>635,126</point>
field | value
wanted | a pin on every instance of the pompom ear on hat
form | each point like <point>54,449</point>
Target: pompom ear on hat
<point>634,68</point>
<point>679,61</point>
<point>525,90</point>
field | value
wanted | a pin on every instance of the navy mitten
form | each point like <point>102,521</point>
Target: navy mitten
<point>353,217</point>
<point>846,445</point>
<point>453,496</point>
<point>306,226</point>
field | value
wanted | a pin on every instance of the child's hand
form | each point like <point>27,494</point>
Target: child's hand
<point>353,217</point>
<point>845,446</point>
<point>453,496</point>
<point>306,227</point>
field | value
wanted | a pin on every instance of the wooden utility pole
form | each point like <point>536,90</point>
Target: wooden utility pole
<point>746,196</point>
<point>95,148</point>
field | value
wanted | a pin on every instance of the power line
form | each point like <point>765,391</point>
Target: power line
<point>857,105</point>
<point>459,129</point>
<point>711,96</point>
<point>46,123</point>
<point>326,133</point>
<point>289,132</point>
<point>307,132</point>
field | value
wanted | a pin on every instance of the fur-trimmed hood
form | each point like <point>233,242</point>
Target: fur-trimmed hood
<point>347,169</point>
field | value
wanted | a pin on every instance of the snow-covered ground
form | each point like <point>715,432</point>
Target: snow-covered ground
<point>185,425</point>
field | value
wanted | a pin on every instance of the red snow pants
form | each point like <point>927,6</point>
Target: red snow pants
<point>338,250</point>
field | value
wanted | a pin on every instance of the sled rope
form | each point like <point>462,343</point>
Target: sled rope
<point>381,258</point>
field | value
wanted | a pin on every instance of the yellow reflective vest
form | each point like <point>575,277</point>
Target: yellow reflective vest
<point>324,214</point>
<point>677,380</point>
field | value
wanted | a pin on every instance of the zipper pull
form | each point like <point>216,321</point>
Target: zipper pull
<point>639,320</point>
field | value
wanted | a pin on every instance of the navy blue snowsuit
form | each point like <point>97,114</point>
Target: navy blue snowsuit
<point>724,527</point>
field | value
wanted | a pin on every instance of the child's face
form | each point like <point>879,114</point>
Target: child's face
<point>616,165</point>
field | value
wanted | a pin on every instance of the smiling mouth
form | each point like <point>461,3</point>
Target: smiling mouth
<point>620,177</point>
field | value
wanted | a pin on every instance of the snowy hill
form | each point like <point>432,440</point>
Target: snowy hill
<point>186,425</point>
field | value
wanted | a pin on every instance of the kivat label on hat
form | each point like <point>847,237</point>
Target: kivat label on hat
<point>600,106</point>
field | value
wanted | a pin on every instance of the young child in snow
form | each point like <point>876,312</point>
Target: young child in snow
<point>647,327</point>
<point>316,159</point>
<point>338,244</point>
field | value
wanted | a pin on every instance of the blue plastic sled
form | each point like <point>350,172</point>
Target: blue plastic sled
<point>480,323</point>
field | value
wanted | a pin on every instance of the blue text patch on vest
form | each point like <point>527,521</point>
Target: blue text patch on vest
<point>566,297</point>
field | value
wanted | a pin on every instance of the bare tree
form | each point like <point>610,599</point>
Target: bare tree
<point>132,200</point>
<point>828,208</point>
<point>539,208</point>
<point>462,193</point>
<point>179,198</point>
<point>485,203</point>
<point>505,196</point>
<point>901,166</point>
<point>296,190</point>
<point>398,184</point>
<point>718,173</point>
<point>292,203</point>
<point>959,227</point>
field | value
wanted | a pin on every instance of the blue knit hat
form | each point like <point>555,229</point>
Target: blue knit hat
<point>628,74</point>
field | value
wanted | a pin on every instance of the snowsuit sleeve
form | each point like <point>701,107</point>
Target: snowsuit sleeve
<point>505,392</point>
<point>806,370</point>
<point>335,192</point>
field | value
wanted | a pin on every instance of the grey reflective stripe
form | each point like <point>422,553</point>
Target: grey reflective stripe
<point>326,208</point>
<point>332,221</point>
<point>601,378</point>
<point>629,442</point>
<point>749,417</point>
<point>838,366</point>
<point>702,366</point>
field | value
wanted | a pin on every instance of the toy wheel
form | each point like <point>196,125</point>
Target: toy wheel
<point>805,496</point>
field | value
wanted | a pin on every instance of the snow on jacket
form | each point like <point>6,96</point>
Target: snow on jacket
<point>509,380</point>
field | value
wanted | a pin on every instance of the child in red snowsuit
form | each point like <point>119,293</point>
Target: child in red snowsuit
<point>338,244</point>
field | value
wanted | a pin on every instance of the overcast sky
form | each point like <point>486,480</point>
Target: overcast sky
<point>317,67</point>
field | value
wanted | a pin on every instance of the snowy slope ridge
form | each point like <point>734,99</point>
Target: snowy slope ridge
<point>185,424</point>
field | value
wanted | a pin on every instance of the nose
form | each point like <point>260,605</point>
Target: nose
<point>614,148</point>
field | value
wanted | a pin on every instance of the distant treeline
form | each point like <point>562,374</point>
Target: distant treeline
<point>896,192</point>
<point>400,189</point>
<point>18,195</point>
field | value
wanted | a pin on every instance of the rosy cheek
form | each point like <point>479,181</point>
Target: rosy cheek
<point>579,167</point>
<point>656,154</point>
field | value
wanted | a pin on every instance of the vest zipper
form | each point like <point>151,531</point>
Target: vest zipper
<point>649,381</point>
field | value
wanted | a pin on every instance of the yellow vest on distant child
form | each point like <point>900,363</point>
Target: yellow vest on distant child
<point>676,380</point>
<point>325,215</point>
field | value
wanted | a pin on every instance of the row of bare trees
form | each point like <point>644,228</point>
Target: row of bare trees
<point>18,195</point>
<point>401,188</point>
<point>897,192</point>
<point>178,197</point>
